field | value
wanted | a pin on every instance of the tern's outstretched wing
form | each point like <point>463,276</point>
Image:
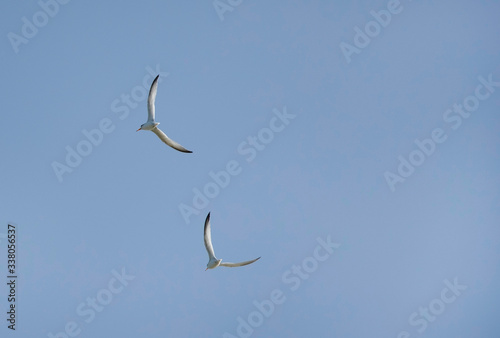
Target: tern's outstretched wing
<point>233,265</point>
<point>151,99</point>
<point>208,239</point>
<point>169,141</point>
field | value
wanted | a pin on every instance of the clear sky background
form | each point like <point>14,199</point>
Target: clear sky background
<point>321,177</point>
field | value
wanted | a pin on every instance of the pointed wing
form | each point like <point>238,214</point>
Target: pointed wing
<point>169,141</point>
<point>208,239</point>
<point>233,265</point>
<point>151,99</point>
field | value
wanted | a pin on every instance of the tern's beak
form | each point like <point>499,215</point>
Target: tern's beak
<point>206,269</point>
<point>138,129</point>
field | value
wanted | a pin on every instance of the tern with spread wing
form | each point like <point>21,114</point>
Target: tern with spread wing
<point>152,125</point>
<point>213,262</point>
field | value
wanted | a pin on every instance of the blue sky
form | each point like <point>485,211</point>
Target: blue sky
<point>362,232</point>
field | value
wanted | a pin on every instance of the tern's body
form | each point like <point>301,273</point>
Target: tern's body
<point>213,262</point>
<point>152,125</point>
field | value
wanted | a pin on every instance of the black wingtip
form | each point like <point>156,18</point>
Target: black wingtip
<point>207,221</point>
<point>184,150</point>
<point>154,81</point>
